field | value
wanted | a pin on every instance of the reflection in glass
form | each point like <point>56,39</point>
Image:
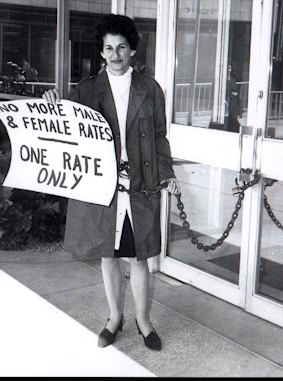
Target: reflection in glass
<point>209,204</point>
<point>29,34</point>
<point>212,63</point>
<point>275,111</point>
<point>85,59</point>
<point>27,66</point>
<point>144,13</point>
<point>270,266</point>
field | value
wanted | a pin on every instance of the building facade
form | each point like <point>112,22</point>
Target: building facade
<point>220,65</point>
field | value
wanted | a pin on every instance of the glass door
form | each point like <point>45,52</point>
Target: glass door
<point>220,140</point>
<point>211,42</point>
<point>265,263</point>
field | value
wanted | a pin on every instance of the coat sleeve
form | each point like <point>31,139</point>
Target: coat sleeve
<point>79,92</point>
<point>74,94</point>
<point>163,152</point>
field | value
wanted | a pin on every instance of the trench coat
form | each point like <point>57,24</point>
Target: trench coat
<point>90,228</point>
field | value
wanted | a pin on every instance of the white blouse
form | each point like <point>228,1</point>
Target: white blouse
<point>120,86</point>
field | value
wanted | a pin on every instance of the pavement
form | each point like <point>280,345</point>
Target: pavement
<point>45,342</point>
<point>53,308</point>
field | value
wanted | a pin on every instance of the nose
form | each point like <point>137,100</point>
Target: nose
<point>116,53</point>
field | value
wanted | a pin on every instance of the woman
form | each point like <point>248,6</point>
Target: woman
<point>133,105</point>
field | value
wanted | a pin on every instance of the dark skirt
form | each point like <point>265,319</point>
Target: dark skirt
<point>127,243</point>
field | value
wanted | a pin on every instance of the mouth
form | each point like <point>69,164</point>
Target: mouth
<point>116,61</point>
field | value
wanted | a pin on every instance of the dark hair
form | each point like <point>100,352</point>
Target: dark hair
<point>117,24</point>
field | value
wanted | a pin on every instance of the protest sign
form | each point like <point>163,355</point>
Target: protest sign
<point>65,149</point>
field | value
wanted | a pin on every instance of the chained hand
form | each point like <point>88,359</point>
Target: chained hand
<point>173,186</point>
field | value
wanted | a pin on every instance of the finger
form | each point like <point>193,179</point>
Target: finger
<point>175,188</point>
<point>44,96</point>
<point>47,96</point>
<point>56,91</point>
<point>51,95</point>
<point>170,187</point>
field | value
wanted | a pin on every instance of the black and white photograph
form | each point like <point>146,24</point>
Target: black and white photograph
<point>141,218</point>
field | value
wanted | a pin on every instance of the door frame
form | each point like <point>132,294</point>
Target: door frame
<point>270,154</point>
<point>198,142</point>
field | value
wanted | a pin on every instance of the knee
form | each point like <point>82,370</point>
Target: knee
<point>109,262</point>
<point>134,263</point>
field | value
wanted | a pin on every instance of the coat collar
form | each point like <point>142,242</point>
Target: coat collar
<point>106,101</point>
<point>138,93</point>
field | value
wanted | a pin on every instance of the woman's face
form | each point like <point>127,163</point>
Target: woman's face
<point>117,53</point>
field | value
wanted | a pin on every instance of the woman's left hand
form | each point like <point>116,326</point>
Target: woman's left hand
<point>173,187</point>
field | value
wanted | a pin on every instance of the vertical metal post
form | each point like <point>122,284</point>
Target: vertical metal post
<point>118,7</point>
<point>194,66</point>
<point>162,38</point>
<point>62,47</point>
<point>1,47</point>
<point>224,10</point>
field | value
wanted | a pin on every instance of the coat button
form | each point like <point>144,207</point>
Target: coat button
<point>146,163</point>
<point>143,134</point>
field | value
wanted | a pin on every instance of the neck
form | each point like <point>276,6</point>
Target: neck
<point>124,72</point>
<point>118,73</point>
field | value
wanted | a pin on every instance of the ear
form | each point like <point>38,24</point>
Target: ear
<point>133,52</point>
<point>102,55</point>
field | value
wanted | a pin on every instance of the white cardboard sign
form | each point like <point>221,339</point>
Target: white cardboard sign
<point>65,149</point>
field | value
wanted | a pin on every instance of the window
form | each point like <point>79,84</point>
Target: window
<point>212,59</point>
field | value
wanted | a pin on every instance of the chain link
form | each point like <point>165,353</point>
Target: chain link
<point>269,183</point>
<point>191,234</point>
<point>145,192</point>
<point>230,224</point>
<point>271,214</point>
<point>124,172</point>
<point>183,215</point>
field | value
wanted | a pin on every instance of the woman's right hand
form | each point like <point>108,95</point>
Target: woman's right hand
<point>51,96</point>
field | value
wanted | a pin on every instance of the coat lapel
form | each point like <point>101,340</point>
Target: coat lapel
<point>136,98</point>
<point>106,102</point>
<point>107,105</point>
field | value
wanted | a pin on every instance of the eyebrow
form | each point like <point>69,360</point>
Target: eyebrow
<point>122,43</point>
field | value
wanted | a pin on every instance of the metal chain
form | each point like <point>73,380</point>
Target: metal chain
<point>230,225</point>
<point>271,214</point>
<point>145,192</point>
<point>191,234</point>
<point>183,215</point>
<point>124,172</point>
<point>269,183</point>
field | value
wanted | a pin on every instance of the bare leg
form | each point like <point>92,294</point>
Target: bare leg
<point>113,287</point>
<point>139,279</point>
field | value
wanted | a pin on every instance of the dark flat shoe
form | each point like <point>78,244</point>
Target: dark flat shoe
<point>108,337</point>
<point>152,341</point>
